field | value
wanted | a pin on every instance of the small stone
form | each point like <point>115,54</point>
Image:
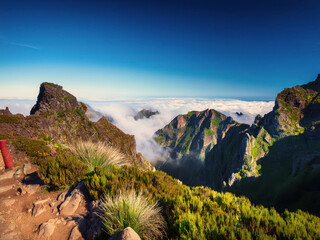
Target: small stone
<point>7,175</point>
<point>30,189</point>
<point>6,188</point>
<point>75,234</point>
<point>11,227</point>
<point>26,167</point>
<point>62,196</point>
<point>18,173</point>
<point>10,236</point>
<point>8,202</point>
<point>46,230</point>
<point>38,207</point>
<point>53,204</point>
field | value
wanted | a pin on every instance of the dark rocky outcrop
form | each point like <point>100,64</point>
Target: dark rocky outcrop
<point>52,97</point>
<point>145,113</point>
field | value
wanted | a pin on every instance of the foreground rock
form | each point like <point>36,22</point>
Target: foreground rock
<point>126,234</point>
<point>71,203</point>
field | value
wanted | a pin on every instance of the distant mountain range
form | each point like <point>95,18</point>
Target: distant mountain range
<point>275,161</point>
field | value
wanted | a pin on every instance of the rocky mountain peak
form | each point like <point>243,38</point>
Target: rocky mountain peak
<point>52,97</point>
<point>314,85</point>
<point>145,113</point>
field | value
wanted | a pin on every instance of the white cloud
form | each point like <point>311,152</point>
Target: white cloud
<point>17,106</point>
<point>123,111</point>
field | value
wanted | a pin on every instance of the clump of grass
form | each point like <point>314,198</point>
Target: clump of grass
<point>98,155</point>
<point>128,209</point>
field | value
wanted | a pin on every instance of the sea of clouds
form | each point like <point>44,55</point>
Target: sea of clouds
<point>122,113</point>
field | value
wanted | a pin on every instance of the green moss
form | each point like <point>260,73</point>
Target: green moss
<point>159,139</point>
<point>190,114</point>
<point>209,131</point>
<point>10,119</point>
<point>216,121</point>
<point>67,98</point>
<point>51,84</point>
<point>33,148</point>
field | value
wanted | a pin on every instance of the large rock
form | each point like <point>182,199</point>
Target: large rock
<point>52,97</point>
<point>72,202</point>
<point>126,234</point>
<point>47,229</point>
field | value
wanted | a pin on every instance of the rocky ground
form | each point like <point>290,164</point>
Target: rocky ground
<point>27,212</point>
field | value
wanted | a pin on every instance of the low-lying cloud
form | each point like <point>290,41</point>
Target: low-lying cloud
<point>17,106</point>
<point>123,112</point>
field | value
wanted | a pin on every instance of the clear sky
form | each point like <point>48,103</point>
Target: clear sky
<point>166,48</point>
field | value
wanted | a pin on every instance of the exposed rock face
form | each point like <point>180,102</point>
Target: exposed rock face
<point>193,133</point>
<point>296,111</point>
<point>282,148</point>
<point>52,97</point>
<point>145,113</point>
<point>5,112</point>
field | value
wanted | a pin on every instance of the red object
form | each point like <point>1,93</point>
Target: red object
<point>6,154</point>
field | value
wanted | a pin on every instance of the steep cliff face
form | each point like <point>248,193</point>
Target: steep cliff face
<point>277,157</point>
<point>194,133</point>
<point>58,116</point>
<point>275,161</point>
<point>296,112</point>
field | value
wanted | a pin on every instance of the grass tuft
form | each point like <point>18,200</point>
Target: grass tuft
<point>128,209</point>
<point>98,155</point>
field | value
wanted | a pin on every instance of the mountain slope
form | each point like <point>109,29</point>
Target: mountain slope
<point>58,117</point>
<point>276,157</point>
<point>193,133</point>
<point>281,163</point>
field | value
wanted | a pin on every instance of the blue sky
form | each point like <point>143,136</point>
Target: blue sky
<point>168,48</point>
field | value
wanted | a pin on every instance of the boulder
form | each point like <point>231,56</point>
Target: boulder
<point>72,202</point>
<point>38,207</point>
<point>75,234</point>
<point>126,234</point>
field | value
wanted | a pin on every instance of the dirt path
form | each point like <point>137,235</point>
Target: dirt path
<point>28,213</point>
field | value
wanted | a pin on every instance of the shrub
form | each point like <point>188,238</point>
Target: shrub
<point>97,154</point>
<point>37,149</point>
<point>61,170</point>
<point>10,119</point>
<point>201,213</point>
<point>127,209</point>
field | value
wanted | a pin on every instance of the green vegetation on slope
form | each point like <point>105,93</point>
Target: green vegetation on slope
<point>201,213</point>
<point>289,176</point>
